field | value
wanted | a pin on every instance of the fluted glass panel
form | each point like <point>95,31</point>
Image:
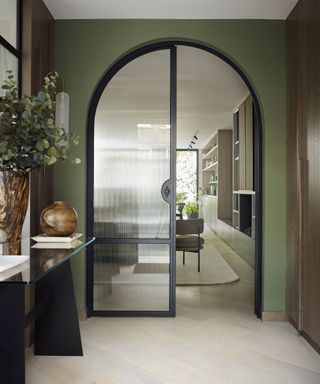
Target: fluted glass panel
<point>8,21</point>
<point>132,151</point>
<point>131,277</point>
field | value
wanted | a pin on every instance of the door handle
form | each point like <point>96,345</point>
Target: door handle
<point>166,191</point>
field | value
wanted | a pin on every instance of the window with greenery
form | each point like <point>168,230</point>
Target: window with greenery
<point>9,39</point>
<point>187,175</point>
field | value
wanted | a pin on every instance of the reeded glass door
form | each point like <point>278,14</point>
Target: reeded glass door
<point>133,196</point>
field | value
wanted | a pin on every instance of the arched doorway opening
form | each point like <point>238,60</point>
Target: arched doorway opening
<point>124,240</point>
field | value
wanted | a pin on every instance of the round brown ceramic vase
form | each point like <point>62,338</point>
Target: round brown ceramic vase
<point>58,219</point>
<point>51,257</point>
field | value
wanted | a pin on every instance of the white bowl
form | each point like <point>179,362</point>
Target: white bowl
<point>11,265</point>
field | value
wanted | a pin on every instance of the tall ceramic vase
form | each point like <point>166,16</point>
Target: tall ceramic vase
<point>14,197</point>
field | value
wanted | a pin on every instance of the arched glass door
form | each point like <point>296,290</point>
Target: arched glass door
<point>133,193</point>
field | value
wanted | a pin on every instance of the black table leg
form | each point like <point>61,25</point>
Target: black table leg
<point>57,331</point>
<point>12,357</point>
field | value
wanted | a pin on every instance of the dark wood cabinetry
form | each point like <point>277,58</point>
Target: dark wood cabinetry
<point>303,171</point>
<point>38,60</point>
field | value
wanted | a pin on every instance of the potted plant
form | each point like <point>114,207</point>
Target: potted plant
<point>29,139</point>
<point>180,197</point>
<point>192,209</point>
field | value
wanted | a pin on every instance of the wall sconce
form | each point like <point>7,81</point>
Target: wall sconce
<point>62,105</point>
<point>62,110</point>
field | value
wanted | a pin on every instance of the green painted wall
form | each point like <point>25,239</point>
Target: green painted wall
<point>85,49</point>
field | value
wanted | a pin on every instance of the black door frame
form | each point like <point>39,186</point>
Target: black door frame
<point>90,182</point>
<point>258,137</point>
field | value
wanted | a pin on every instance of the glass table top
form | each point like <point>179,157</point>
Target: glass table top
<point>37,259</point>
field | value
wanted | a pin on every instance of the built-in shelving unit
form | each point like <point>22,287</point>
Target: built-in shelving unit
<point>243,202</point>
<point>243,217</point>
<point>235,142</point>
<point>228,206</point>
<point>217,172</point>
<point>235,210</point>
<point>210,167</point>
<point>210,152</point>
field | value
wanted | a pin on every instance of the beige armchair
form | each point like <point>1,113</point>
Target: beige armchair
<point>188,237</point>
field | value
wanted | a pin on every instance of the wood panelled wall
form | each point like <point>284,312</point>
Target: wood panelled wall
<point>303,169</point>
<point>38,60</point>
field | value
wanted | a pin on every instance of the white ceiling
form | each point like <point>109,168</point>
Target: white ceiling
<point>170,9</point>
<point>208,90</point>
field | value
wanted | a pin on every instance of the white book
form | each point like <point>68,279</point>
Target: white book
<point>48,245</point>
<point>56,239</point>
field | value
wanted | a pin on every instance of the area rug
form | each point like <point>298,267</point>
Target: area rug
<point>214,268</point>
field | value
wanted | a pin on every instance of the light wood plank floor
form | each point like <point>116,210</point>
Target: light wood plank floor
<point>214,339</point>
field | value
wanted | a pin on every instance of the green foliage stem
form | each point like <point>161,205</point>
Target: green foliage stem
<point>29,137</point>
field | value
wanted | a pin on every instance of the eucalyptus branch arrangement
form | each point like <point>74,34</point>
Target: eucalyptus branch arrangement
<point>28,135</point>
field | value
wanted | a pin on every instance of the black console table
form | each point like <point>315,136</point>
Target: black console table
<point>57,330</point>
